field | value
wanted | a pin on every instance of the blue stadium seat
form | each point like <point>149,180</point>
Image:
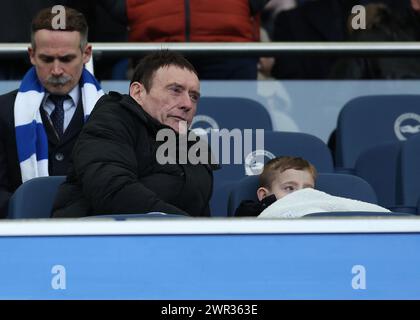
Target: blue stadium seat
<point>336,184</point>
<point>380,167</point>
<point>418,207</point>
<point>34,198</point>
<point>231,113</point>
<point>410,171</point>
<point>347,186</point>
<point>245,189</point>
<point>276,143</point>
<point>367,121</point>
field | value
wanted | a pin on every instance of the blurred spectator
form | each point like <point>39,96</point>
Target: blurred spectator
<point>272,8</point>
<point>317,21</point>
<point>15,23</point>
<point>383,24</point>
<point>107,23</point>
<point>200,21</point>
<point>312,21</point>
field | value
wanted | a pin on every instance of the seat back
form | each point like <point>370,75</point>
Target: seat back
<point>336,184</point>
<point>230,113</point>
<point>410,171</point>
<point>245,189</point>
<point>34,198</point>
<point>380,167</point>
<point>418,207</point>
<point>346,186</point>
<point>367,121</point>
<point>252,161</point>
<point>275,144</point>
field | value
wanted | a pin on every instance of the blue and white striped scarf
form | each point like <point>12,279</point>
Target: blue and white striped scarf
<point>31,138</point>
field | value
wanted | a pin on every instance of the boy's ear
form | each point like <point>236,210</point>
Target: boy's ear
<point>262,193</point>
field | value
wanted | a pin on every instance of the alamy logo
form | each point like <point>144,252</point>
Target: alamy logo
<point>406,125</point>
<point>227,146</point>
<point>58,281</point>
<point>59,21</point>
<point>202,124</point>
<point>358,20</point>
<point>254,161</point>
<point>358,281</point>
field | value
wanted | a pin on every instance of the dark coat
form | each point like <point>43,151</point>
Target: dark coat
<point>253,208</point>
<point>390,26</point>
<point>115,171</point>
<point>313,21</point>
<point>58,151</point>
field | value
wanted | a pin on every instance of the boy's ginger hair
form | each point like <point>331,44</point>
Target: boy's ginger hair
<point>281,164</point>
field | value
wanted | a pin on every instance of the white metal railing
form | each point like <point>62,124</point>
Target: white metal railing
<point>248,49</point>
<point>206,226</point>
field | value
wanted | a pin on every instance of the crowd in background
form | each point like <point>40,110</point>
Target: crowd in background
<point>235,21</point>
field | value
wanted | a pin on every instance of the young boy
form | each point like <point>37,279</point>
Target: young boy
<point>280,176</point>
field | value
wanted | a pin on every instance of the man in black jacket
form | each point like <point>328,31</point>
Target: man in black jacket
<point>116,166</point>
<point>40,122</point>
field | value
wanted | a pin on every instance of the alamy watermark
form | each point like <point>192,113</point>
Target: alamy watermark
<point>58,281</point>
<point>226,146</point>
<point>59,20</point>
<point>358,21</point>
<point>358,281</point>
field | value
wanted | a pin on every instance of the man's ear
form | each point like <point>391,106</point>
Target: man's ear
<point>31,53</point>
<point>262,193</point>
<point>87,53</point>
<point>137,90</point>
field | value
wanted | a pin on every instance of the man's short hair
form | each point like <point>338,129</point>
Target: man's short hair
<point>281,164</point>
<point>147,66</point>
<point>75,21</point>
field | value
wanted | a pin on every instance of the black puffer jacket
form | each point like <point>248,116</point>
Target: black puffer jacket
<point>115,170</point>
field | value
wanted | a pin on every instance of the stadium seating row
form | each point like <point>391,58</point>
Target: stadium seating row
<point>370,143</point>
<point>366,122</point>
<point>371,134</point>
<point>34,198</point>
<point>391,169</point>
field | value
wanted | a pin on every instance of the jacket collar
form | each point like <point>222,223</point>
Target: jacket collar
<point>131,104</point>
<point>153,124</point>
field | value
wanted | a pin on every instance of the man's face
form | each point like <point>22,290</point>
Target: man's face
<point>58,59</point>
<point>172,98</point>
<point>287,182</point>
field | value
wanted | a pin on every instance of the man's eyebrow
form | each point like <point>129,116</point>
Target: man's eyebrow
<point>43,55</point>
<point>176,84</point>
